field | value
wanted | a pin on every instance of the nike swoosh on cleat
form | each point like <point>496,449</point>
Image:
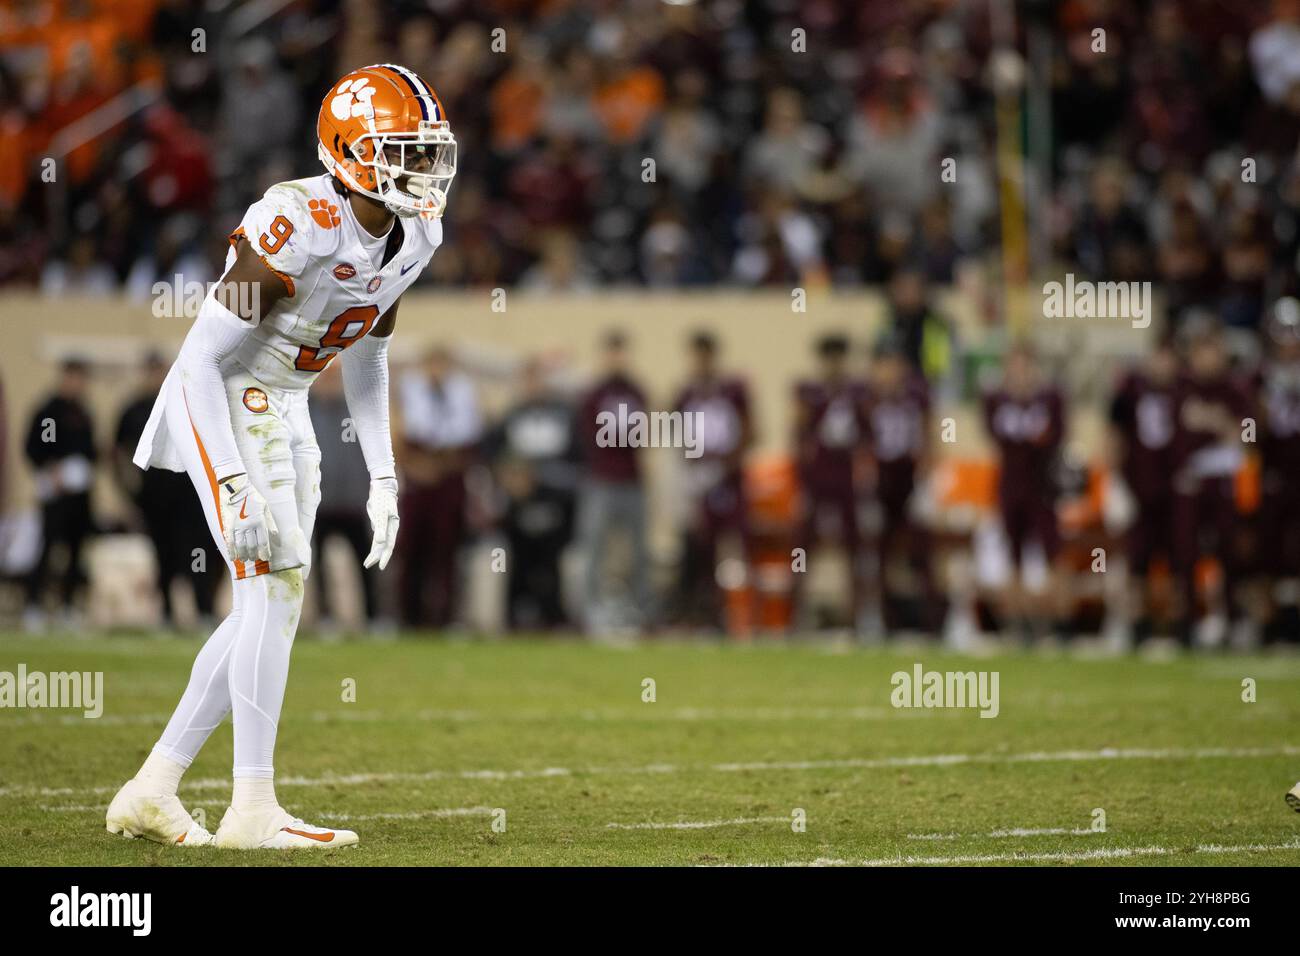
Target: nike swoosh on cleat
<point>181,838</point>
<point>318,837</point>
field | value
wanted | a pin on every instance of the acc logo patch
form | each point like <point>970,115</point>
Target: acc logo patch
<point>255,400</point>
<point>373,284</point>
<point>344,271</point>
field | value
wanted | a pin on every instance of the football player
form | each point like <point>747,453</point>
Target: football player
<point>1026,420</point>
<point>829,432</point>
<point>1142,436</point>
<point>898,429</point>
<point>1211,406</point>
<point>314,274</point>
<point>715,486</point>
<point>1278,544</point>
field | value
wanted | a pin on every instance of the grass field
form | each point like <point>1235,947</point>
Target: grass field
<point>556,734</point>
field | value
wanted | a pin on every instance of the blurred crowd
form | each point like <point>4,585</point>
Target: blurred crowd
<point>792,142</point>
<point>1192,505</point>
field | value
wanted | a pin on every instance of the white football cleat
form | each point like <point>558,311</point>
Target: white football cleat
<point>1293,798</point>
<point>135,812</point>
<point>277,830</point>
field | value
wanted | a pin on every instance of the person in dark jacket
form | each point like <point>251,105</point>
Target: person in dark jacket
<point>172,515</point>
<point>61,448</point>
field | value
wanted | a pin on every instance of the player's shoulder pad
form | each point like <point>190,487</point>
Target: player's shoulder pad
<point>294,222</point>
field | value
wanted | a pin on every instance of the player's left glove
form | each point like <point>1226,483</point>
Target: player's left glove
<point>382,509</point>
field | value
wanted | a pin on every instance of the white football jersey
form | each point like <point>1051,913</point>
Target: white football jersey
<point>305,231</point>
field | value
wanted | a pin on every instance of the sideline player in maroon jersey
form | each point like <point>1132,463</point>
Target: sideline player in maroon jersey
<point>714,480</point>
<point>1278,539</point>
<point>1210,409</point>
<point>828,436</point>
<point>898,429</point>
<point>1142,441</point>
<point>1025,418</point>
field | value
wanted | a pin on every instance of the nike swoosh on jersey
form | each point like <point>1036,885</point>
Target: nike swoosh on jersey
<point>409,267</point>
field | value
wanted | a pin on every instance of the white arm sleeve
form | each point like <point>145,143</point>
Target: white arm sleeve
<point>365,384</point>
<point>215,335</point>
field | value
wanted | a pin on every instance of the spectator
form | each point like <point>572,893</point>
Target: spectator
<point>61,448</point>
<point>534,452</point>
<point>612,498</point>
<point>924,335</point>
<point>441,426</point>
<point>344,487</point>
<point>172,515</point>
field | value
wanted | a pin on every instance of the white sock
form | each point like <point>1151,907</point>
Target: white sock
<point>160,774</point>
<point>254,793</point>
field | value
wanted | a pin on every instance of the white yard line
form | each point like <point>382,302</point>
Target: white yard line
<point>1063,856</point>
<point>852,763</point>
<point>411,815</point>
<point>696,824</point>
<point>1012,832</point>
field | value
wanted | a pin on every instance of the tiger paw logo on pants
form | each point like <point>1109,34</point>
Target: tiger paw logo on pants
<point>255,400</point>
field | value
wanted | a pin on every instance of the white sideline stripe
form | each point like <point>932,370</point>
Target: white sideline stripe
<point>695,824</point>
<point>872,763</point>
<point>1012,832</point>
<point>1115,853</point>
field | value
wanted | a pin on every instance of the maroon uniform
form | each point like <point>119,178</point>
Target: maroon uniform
<point>829,432</point>
<point>1279,449</point>
<point>897,428</point>
<point>1207,452</point>
<point>1028,433</point>
<point>1143,413</point>
<point>715,477</point>
<point>715,484</point>
<point>614,463</point>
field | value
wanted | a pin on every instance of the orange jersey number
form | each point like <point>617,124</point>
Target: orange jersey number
<point>273,240</point>
<point>350,327</point>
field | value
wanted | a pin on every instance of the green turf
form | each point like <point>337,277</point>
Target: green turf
<point>556,734</point>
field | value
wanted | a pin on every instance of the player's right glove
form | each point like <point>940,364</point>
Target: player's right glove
<point>382,509</point>
<point>246,520</point>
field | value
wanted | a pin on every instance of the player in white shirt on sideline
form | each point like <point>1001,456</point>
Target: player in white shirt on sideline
<point>314,274</point>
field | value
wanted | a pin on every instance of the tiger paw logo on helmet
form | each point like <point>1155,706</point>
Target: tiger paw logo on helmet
<point>352,99</point>
<point>382,132</point>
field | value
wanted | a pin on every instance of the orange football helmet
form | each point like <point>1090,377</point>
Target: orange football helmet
<point>382,133</point>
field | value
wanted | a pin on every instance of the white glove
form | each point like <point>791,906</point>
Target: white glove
<point>246,520</point>
<point>382,509</point>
